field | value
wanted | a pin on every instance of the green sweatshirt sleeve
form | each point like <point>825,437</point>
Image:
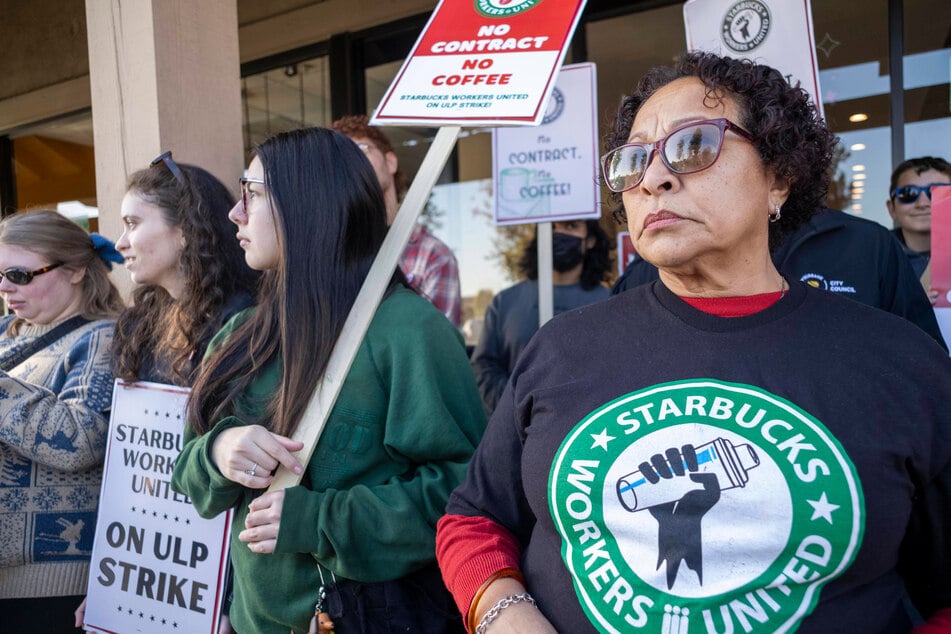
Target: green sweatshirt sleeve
<point>380,529</point>
<point>197,476</point>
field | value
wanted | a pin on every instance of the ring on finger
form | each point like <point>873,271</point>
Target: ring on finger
<point>252,470</point>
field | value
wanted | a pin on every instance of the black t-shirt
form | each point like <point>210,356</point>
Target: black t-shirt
<point>812,439</point>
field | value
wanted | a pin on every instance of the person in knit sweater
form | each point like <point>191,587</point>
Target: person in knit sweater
<point>55,397</point>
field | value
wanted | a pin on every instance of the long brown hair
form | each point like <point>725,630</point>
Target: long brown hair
<point>212,265</point>
<point>330,221</point>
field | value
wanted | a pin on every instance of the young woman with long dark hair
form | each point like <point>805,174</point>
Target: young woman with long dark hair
<point>397,441</point>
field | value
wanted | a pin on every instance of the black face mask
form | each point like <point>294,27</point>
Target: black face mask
<point>565,251</point>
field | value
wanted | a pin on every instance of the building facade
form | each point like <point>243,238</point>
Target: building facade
<point>93,90</point>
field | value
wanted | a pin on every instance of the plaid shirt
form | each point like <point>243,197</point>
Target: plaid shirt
<point>431,269</point>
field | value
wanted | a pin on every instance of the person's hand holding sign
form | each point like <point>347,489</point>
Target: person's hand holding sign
<point>249,455</point>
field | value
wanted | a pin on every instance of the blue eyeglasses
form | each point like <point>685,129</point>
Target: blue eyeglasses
<point>908,194</point>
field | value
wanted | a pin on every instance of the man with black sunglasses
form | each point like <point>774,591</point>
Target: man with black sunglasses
<point>909,205</point>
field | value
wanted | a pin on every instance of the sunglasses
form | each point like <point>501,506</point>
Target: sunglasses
<point>908,194</point>
<point>690,148</point>
<point>22,277</point>
<point>244,180</point>
<point>166,158</point>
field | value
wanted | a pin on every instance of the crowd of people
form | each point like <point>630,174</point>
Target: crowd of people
<point>792,448</point>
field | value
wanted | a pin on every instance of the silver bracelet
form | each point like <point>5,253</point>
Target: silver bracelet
<point>493,612</point>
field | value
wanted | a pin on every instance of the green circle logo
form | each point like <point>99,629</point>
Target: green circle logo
<point>703,506</point>
<point>504,8</point>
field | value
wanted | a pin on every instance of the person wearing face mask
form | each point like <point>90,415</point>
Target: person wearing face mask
<point>580,262</point>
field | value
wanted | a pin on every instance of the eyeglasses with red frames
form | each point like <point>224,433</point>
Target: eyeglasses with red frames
<point>166,158</point>
<point>244,180</point>
<point>689,148</point>
<point>22,277</point>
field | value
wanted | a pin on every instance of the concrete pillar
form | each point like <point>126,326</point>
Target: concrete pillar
<point>164,75</point>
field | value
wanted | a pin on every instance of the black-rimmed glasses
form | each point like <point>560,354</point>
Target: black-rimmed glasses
<point>22,277</point>
<point>908,194</point>
<point>689,148</point>
<point>166,157</point>
<point>244,180</point>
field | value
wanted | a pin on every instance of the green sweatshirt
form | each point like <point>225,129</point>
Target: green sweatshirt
<point>397,442</point>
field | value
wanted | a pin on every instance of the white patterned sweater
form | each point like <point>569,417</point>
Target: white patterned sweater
<point>54,420</point>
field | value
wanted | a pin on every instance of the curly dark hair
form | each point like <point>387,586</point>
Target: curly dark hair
<point>213,266</point>
<point>597,259</point>
<point>789,133</point>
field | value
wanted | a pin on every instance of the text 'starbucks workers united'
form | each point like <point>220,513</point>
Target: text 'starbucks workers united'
<point>703,507</point>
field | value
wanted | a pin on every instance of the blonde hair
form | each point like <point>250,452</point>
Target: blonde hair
<point>59,239</point>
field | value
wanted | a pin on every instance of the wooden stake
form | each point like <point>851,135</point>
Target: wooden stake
<point>368,299</point>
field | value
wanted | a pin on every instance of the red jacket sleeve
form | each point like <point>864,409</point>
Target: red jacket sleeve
<point>470,550</point>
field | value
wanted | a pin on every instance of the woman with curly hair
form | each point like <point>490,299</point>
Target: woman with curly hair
<point>179,248</point>
<point>722,449</point>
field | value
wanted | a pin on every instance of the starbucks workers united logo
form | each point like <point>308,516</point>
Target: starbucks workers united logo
<point>745,25</point>
<point>504,8</point>
<point>703,507</point>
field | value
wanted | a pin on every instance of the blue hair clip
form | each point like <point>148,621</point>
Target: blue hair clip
<point>106,250</point>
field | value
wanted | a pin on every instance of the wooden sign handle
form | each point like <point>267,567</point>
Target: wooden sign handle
<point>369,297</point>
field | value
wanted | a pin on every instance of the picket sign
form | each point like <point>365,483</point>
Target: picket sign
<point>364,308</point>
<point>940,265</point>
<point>511,26</point>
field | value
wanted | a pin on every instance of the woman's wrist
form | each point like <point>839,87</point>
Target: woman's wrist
<point>494,590</point>
<point>504,603</point>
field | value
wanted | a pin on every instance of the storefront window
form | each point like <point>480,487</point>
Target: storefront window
<point>852,53</point>
<point>852,50</point>
<point>927,71</point>
<point>285,98</point>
